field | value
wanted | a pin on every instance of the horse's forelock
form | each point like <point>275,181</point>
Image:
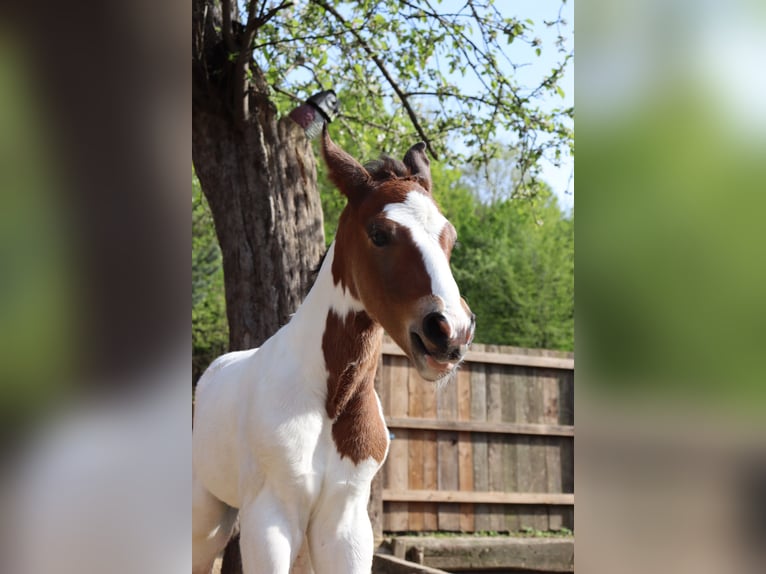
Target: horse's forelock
<point>387,168</point>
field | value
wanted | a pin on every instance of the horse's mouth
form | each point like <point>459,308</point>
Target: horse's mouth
<point>429,366</point>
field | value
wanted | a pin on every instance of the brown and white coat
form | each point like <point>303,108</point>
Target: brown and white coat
<point>290,435</point>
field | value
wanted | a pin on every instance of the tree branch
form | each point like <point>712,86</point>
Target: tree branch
<point>383,70</point>
<point>226,26</point>
<point>297,39</point>
<point>245,54</point>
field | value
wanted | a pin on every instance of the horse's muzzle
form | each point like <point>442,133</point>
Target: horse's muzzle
<point>439,343</point>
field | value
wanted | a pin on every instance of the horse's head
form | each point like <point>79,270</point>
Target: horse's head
<point>392,251</point>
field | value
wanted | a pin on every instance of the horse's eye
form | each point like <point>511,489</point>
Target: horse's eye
<point>379,237</point>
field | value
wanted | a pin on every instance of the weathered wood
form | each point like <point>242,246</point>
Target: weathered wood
<point>477,553</point>
<point>490,451</point>
<point>385,564</point>
<point>567,478</point>
<point>538,479</point>
<point>465,449</point>
<point>397,517</point>
<point>521,464</point>
<point>493,358</point>
<point>566,416</point>
<point>566,398</point>
<point>415,450</point>
<point>430,457</point>
<point>552,450</point>
<point>375,508</point>
<point>495,444</point>
<point>478,497</point>
<point>513,379</point>
<point>473,426</point>
<point>449,515</point>
<point>479,442</point>
<point>510,350</point>
<point>382,387</point>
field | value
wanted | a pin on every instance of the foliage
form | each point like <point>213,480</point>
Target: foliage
<point>514,263</point>
<point>209,326</point>
<point>417,69</point>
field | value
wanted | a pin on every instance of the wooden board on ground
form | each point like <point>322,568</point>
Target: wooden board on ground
<point>496,552</point>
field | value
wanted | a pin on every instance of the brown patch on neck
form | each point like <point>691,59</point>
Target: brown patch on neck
<point>343,254</point>
<point>351,347</point>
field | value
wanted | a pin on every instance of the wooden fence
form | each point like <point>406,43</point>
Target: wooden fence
<point>491,451</point>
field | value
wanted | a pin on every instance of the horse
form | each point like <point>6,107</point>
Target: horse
<point>290,435</point>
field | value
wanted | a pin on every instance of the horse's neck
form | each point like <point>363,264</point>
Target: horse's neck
<point>349,340</point>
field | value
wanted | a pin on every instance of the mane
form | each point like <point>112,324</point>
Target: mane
<point>387,168</point>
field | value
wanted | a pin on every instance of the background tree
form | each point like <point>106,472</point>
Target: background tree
<point>515,266</point>
<point>210,332</point>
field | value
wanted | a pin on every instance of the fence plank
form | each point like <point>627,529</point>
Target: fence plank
<point>415,451</point>
<point>523,466</point>
<point>479,442</point>
<point>511,381</point>
<point>490,357</point>
<point>465,448</point>
<point>449,516</point>
<point>382,386</point>
<point>496,450</point>
<point>375,508</point>
<point>453,496</point>
<point>539,476</point>
<point>566,394</point>
<point>550,414</point>
<point>398,461</point>
<point>430,457</point>
<point>475,426</point>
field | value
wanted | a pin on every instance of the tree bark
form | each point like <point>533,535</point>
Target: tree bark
<point>258,173</point>
<point>260,183</point>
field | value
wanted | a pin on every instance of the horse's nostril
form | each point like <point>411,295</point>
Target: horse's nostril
<point>436,328</point>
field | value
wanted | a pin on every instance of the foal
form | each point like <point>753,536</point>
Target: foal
<point>291,434</point>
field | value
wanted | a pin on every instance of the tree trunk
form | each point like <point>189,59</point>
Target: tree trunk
<point>260,183</point>
<point>258,174</point>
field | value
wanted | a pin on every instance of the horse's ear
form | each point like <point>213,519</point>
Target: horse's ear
<point>417,160</point>
<point>345,172</point>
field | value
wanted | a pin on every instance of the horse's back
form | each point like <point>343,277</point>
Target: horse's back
<point>215,444</point>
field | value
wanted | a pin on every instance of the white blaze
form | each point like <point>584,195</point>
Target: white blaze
<point>421,217</point>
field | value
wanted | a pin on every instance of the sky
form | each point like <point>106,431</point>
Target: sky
<point>561,179</point>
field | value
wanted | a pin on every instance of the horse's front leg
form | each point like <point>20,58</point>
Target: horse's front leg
<point>340,533</point>
<point>271,533</point>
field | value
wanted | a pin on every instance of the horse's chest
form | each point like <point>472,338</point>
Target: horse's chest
<point>359,432</point>
<point>311,441</point>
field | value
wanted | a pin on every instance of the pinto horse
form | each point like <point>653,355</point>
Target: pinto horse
<point>290,435</point>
